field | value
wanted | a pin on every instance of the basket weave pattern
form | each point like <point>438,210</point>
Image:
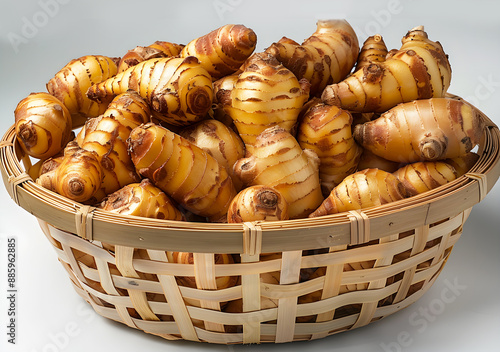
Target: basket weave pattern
<point>141,290</point>
<point>323,275</point>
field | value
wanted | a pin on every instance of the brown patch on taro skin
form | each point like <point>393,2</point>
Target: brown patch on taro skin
<point>27,133</point>
<point>139,142</point>
<point>373,73</point>
<point>373,134</point>
<point>267,199</point>
<point>199,101</point>
<point>422,78</point>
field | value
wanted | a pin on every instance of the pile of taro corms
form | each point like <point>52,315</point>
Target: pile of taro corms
<point>214,131</point>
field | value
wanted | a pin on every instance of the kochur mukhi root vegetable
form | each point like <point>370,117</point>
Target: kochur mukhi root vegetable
<point>222,51</point>
<point>422,176</point>
<point>43,125</point>
<point>423,130</point>
<point>45,176</point>
<point>463,163</point>
<point>266,94</point>
<point>220,141</point>
<point>178,89</point>
<point>78,176</point>
<point>419,70</point>
<point>187,173</point>
<point>278,161</point>
<point>373,50</point>
<point>144,53</point>
<point>258,203</point>
<point>142,199</point>
<point>362,189</point>
<point>221,91</point>
<point>326,130</point>
<point>107,134</point>
<point>326,57</point>
<point>70,84</point>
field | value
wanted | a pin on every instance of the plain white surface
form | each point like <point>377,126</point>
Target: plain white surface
<point>461,312</point>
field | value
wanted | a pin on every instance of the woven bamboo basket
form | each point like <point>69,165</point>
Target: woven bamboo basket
<point>291,280</point>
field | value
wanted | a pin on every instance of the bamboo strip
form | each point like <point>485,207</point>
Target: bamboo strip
<point>71,260</point>
<point>360,226</point>
<point>482,183</point>
<point>290,274</point>
<point>104,276</point>
<point>233,318</point>
<point>421,236</point>
<point>174,299</point>
<point>83,222</point>
<point>121,309</point>
<point>5,144</point>
<point>45,229</point>
<point>250,284</point>
<point>204,273</point>
<point>219,338</point>
<point>331,288</point>
<point>78,243</point>
<point>14,182</point>
<point>368,309</point>
<point>139,299</point>
<point>250,290</point>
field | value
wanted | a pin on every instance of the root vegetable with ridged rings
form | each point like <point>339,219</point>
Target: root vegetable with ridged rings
<point>326,57</point>
<point>43,125</point>
<point>188,174</point>
<point>142,199</point>
<point>179,90</point>
<point>46,169</point>
<point>220,141</point>
<point>419,70</point>
<point>78,176</point>
<point>463,163</point>
<point>266,94</point>
<point>423,130</point>
<point>70,84</point>
<point>258,203</point>
<point>361,190</point>
<point>326,130</point>
<point>223,50</point>
<point>143,53</point>
<point>373,50</point>
<point>422,176</point>
<point>278,161</point>
<point>107,136</point>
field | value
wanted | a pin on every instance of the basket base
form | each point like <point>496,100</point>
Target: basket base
<point>336,289</point>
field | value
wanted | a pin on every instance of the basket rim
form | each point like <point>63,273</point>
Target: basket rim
<point>346,228</point>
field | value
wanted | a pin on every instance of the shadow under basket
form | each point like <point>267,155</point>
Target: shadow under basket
<point>261,281</point>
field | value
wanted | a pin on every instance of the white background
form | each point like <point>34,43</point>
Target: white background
<point>37,38</point>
